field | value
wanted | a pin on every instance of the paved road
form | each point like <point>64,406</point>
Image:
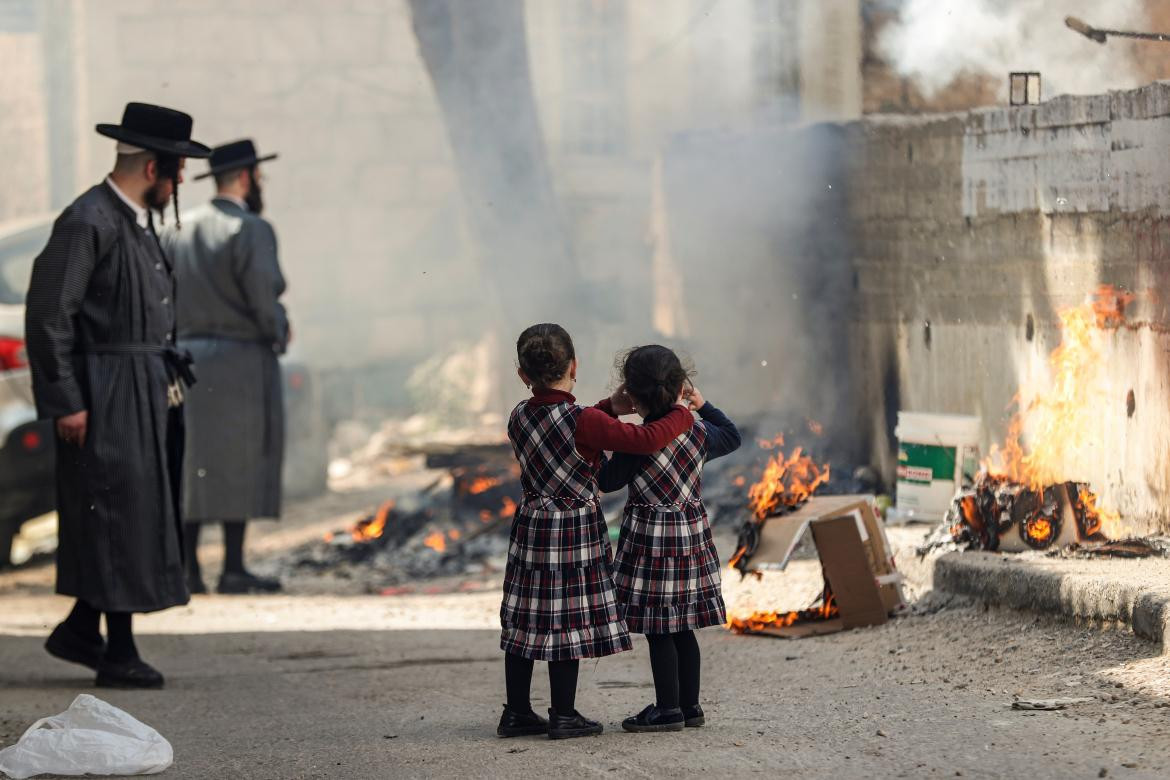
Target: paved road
<point>288,689</point>
<point>335,685</point>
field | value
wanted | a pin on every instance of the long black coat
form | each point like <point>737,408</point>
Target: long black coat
<point>100,313</point>
<point>232,322</point>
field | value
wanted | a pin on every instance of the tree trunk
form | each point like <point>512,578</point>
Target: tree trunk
<point>477,57</point>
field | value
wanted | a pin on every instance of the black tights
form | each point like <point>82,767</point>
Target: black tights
<point>233,547</point>
<point>85,621</point>
<point>674,662</point>
<point>562,683</point>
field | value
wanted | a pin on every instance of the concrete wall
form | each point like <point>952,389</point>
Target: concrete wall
<point>967,225</point>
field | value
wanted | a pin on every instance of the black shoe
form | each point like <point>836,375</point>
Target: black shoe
<point>569,726</point>
<point>64,643</point>
<point>520,724</point>
<point>128,674</point>
<point>694,716</point>
<point>195,585</point>
<point>234,582</point>
<point>654,719</point>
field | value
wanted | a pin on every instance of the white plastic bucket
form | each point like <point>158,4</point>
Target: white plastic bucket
<point>937,455</point>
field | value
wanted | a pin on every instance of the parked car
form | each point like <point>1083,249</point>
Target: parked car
<point>27,485</point>
<point>27,488</point>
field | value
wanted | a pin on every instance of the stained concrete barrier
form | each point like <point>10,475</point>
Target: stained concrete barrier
<point>1135,593</point>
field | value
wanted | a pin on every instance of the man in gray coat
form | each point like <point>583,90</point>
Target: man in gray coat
<point>231,320</point>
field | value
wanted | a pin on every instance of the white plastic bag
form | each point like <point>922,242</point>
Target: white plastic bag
<point>91,737</point>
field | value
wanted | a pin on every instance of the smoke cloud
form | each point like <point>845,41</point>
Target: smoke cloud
<point>934,42</point>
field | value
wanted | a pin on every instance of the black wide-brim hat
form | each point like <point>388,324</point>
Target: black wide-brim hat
<point>156,129</point>
<point>233,156</point>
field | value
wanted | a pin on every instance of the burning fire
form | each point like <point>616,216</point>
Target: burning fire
<point>371,527</point>
<point>1060,419</point>
<point>483,484</point>
<point>1093,519</point>
<point>787,482</point>
<point>436,541</point>
<point>758,621</point>
<point>507,509</point>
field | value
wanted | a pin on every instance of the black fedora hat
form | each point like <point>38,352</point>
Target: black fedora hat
<point>237,154</point>
<point>156,129</point>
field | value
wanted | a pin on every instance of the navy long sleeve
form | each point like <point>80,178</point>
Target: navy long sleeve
<point>722,435</point>
<point>722,439</point>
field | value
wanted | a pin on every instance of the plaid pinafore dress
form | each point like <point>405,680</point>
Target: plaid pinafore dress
<point>559,601</point>
<point>666,569</point>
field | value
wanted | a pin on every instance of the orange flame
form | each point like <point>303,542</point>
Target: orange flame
<point>815,428</point>
<point>1098,520</point>
<point>436,541</point>
<point>1039,528</point>
<point>483,484</point>
<point>758,621</point>
<point>1060,420</point>
<point>373,527</point>
<point>788,481</point>
<point>508,507</point>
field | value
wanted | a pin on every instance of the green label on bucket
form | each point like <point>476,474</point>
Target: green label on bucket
<point>921,464</point>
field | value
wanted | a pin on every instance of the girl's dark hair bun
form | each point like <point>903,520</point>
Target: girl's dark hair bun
<point>654,376</point>
<point>544,352</point>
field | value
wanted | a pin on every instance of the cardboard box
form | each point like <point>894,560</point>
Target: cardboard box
<point>855,557</point>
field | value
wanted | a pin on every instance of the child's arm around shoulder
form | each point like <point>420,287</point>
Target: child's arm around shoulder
<point>598,428</point>
<point>722,436</point>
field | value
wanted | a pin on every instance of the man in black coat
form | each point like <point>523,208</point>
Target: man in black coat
<point>100,330</point>
<point>233,323</point>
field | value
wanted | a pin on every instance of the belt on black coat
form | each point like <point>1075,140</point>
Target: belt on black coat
<point>178,360</point>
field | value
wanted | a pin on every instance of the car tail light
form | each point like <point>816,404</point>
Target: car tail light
<point>31,440</point>
<point>12,354</point>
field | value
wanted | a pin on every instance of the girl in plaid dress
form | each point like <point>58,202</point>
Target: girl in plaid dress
<point>559,604</point>
<point>666,567</point>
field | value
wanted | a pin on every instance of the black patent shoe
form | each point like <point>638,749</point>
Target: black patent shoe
<point>520,724</point>
<point>694,716</point>
<point>235,583</point>
<point>654,719</point>
<point>128,674</point>
<point>569,726</point>
<point>65,644</point>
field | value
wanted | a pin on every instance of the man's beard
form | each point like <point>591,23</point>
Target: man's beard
<point>255,198</point>
<point>156,197</point>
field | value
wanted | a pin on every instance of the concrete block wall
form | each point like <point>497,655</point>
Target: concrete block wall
<point>968,227</point>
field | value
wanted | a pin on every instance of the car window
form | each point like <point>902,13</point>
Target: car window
<point>15,270</point>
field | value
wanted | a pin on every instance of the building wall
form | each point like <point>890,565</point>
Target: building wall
<point>24,127</point>
<point>966,226</point>
<point>363,197</point>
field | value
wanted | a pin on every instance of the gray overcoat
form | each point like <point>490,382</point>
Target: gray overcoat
<point>99,325</point>
<point>232,322</point>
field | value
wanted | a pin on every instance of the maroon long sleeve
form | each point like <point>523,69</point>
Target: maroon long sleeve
<point>598,428</point>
